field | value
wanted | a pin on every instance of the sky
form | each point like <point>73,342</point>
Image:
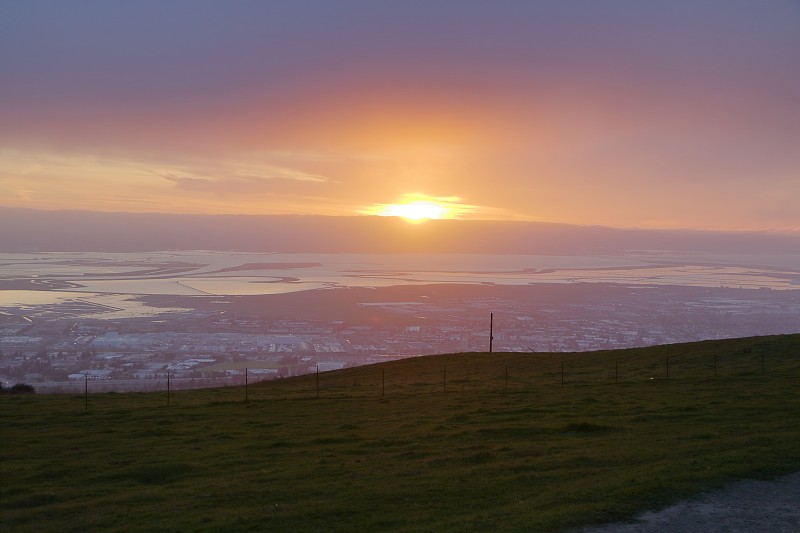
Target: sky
<point>659,114</point>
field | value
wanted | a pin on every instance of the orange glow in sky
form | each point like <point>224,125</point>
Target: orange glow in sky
<point>584,112</point>
<point>417,208</point>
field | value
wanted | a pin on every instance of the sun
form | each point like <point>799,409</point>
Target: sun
<point>418,208</point>
<point>418,211</point>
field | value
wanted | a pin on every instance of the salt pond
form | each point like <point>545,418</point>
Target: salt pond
<point>89,276</point>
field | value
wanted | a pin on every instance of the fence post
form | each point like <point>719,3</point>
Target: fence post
<point>86,393</point>
<point>383,382</point>
<point>245,384</point>
<point>167,389</point>
<point>444,378</point>
<point>317,380</point>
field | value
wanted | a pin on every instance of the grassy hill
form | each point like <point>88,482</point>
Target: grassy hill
<point>462,442</point>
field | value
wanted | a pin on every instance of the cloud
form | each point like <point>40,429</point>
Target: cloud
<point>243,175</point>
<point>191,184</point>
<point>238,184</point>
<point>43,179</point>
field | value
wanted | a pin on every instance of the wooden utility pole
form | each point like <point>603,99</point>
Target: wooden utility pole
<point>491,331</point>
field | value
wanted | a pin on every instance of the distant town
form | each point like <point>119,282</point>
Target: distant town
<point>49,347</point>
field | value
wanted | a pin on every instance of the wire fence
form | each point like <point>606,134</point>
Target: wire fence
<point>470,373</point>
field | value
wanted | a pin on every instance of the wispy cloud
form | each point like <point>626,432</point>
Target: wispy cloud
<point>237,177</point>
<point>41,178</point>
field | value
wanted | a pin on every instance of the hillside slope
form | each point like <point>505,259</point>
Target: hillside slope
<point>462,442</point>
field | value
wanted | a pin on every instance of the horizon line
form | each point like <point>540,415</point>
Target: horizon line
<point>791,232</point>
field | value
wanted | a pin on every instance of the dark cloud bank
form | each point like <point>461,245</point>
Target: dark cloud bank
<point>28,230</point>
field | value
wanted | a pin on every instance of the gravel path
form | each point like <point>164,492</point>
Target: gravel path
<point>744,507</point>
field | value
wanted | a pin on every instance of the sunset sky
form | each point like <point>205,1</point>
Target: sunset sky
<point>662,114</point>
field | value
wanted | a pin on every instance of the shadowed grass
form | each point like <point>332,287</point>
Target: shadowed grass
<point>532,456</point>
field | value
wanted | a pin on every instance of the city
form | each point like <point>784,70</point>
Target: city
<point>50,348</point>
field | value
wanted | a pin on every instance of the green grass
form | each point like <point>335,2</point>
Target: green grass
<point>532,455</point>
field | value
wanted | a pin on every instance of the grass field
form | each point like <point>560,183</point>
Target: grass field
<point>464,442</point>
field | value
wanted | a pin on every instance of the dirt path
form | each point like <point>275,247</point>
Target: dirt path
<point>744,507</point>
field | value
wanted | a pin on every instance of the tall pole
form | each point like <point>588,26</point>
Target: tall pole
<point>491,331</point>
